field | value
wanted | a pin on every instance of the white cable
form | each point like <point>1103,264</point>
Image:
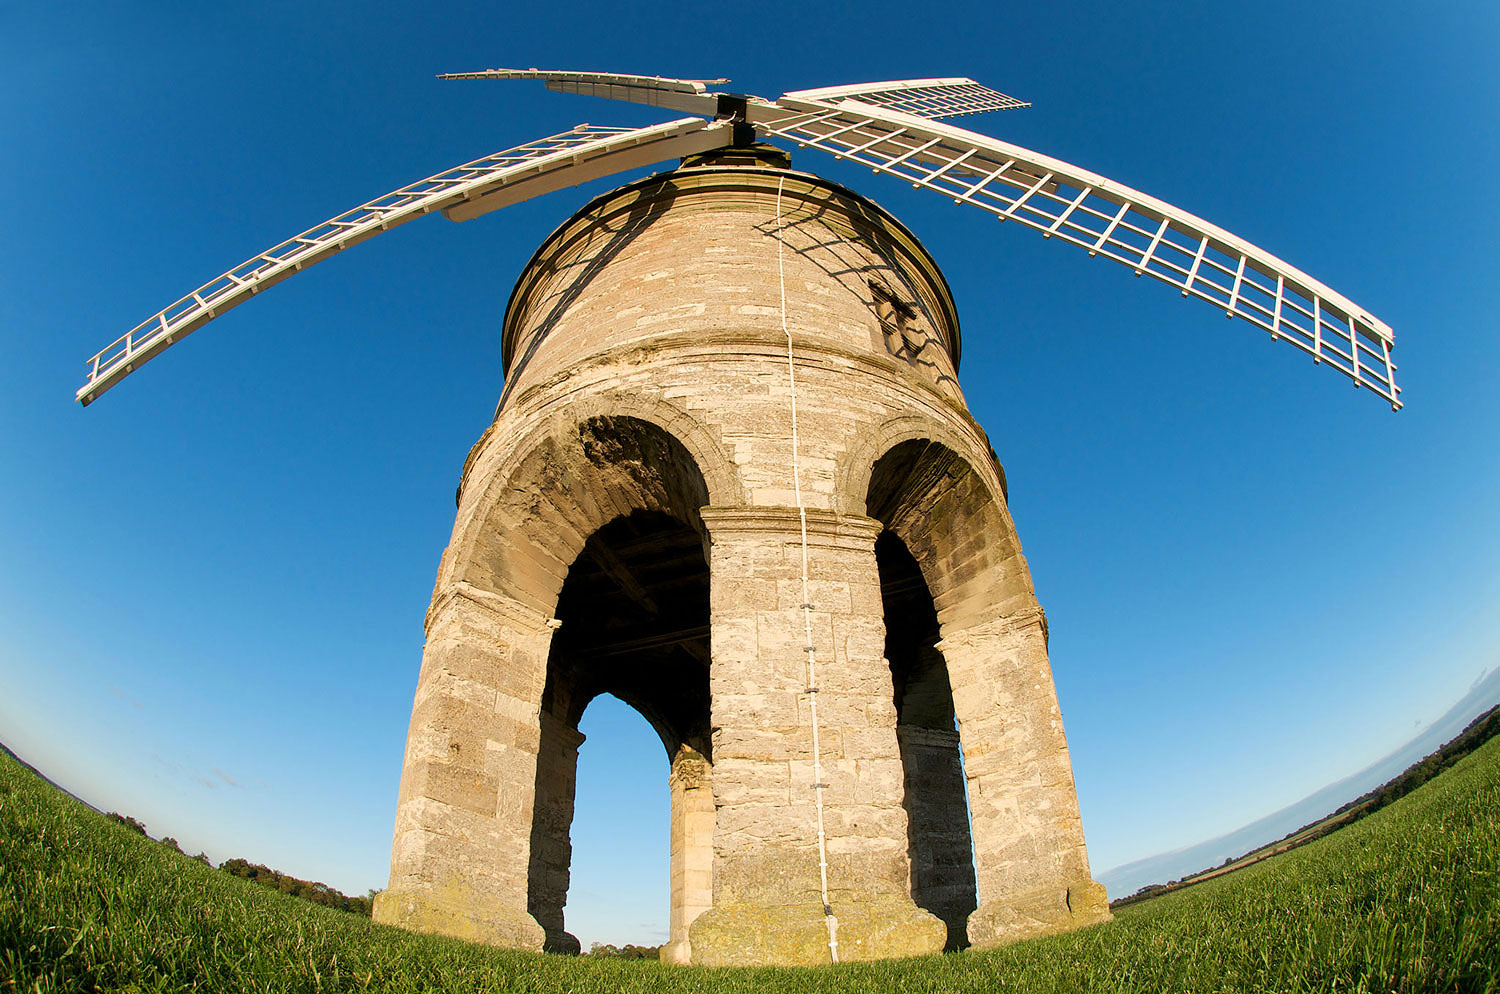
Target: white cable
<point>812,662</point>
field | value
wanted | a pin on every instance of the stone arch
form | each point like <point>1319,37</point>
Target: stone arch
<point>633,622</point>
<point>500,460</point>
<point>852,476</point>
<point>962,537</point>
<point>994,651</point>
<point>558,527</point>
<point>567,479</point>
<point>720,477</point>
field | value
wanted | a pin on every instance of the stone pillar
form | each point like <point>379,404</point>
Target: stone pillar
<point>551,830</point>
<point>464,814</point>
<point>692,859</point>
<point>942,852</point>
<point>1032,867</point>
<point>767,907</point>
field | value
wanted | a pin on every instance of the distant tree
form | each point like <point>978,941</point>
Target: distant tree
<point>127,821</point>
<point>317,893</point>
<point>170,843</point>
<point>604,950</point>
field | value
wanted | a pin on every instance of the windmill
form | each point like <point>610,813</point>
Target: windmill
<point>824,613</point>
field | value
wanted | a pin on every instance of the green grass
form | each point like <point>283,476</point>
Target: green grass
<point>1406,900</point>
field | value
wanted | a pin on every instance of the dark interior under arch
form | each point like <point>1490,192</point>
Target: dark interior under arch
<point>939,840</point>
<point>634,623</point>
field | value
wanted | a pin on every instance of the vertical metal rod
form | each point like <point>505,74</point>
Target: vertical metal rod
<point>829,921</point>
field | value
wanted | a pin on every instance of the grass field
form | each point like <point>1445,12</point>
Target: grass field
<point>1405,900</point>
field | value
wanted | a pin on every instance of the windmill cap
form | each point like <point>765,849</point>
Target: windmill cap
<point>734,178</point>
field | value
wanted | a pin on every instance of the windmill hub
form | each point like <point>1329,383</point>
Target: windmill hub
<point>760,154</point>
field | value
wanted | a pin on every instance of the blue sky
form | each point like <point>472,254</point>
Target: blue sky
<point>212,582</point>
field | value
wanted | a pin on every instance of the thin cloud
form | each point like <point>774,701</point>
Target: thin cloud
<point>125,697</point>
<point>226,777</point>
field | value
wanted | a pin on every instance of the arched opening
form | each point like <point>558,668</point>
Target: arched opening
<point>937,815</point>
<point>942,533</point>
<point>956,528</point>
<point>617,893</point>
<point>633,614</point>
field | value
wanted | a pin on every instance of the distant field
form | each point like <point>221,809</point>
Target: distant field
<point>1405,900</point>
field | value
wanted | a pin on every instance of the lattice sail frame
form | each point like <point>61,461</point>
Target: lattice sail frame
<point>567,159</point>
<point>1110,219</point>
<point>892,127</point>
<point>930,98</point>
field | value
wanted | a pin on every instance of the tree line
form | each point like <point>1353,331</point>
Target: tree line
<point>317,893</point>
<point>308,890</point>
<point>628,951</point>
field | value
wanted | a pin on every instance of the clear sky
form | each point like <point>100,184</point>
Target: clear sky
<point>212,582</point>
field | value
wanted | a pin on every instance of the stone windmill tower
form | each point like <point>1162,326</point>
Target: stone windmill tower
<point>732,480</point>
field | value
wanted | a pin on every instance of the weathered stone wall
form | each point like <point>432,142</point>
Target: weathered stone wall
<point>647,372</point>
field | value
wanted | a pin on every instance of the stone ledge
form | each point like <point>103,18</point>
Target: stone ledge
<point>499,607</point>
<point>826,527</point>
<point>982,633</point>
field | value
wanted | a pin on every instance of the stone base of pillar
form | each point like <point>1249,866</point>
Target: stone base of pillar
<point>1045,911</point>
<point>677,953</point>
<point>562,943</point>
<point>455,910</point>
<point>879,927</point>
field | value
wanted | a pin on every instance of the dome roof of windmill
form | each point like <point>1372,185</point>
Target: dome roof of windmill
<point>753,179</point>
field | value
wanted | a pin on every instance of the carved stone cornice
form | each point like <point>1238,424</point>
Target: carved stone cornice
<point>506,610</point>
<point>825,528</point>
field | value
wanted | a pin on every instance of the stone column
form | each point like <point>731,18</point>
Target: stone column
<point>1030,859</point>
<point>551,830</point>
<point>767,907</point>
<point>692,859</point>
<point>464,814</point>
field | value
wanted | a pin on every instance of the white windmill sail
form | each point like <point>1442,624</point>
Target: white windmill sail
<point>1106,218</point>
<point>953,96</point>
<point>516,174</point>
<point>893,127</point>
<point>688,95</point>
